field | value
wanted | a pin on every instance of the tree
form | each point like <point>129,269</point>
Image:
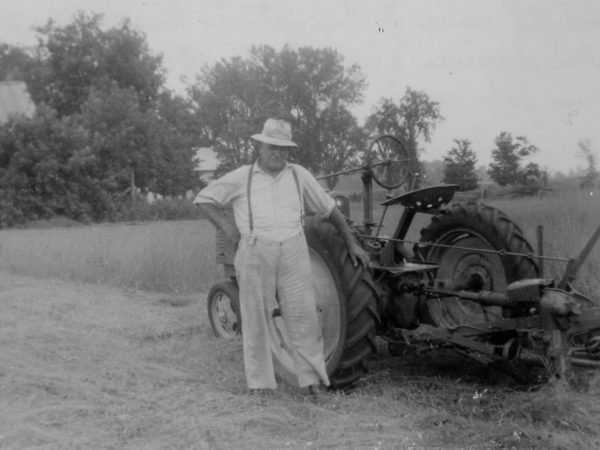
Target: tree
<point>15,63</point>
<point>74,59</point>
<point>533,177</point>
<point>459,166</point>
<point>591,175</point>
<point>226,105</point>
<point>505,168</point>
<point>46,168</point>
<point>309,87</point>
<point>81,166</point>
<point>150,150</point>
<point>105,126</point>
<point>411,120</point>
<point>176,134</point>
<point>317,90</point>
<point>585,151</point>
<point>338,150</point>
<point>119,132</point>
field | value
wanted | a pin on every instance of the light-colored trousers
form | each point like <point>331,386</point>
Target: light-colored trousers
<point>269,273</point>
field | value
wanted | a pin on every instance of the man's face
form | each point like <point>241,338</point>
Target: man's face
<point>272,157</point>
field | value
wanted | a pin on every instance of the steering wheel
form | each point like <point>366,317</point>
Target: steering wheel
<point>390,162</point>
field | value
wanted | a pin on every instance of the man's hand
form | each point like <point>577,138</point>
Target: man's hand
<point>218,219</point>
<point>358,255</point>
<point>230,230</point>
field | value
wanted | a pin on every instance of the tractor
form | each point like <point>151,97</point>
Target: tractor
<point>471,282</point>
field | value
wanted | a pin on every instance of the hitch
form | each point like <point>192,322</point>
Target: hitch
<point>575,264</point>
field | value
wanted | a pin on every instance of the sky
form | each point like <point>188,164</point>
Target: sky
<point>527,67</point>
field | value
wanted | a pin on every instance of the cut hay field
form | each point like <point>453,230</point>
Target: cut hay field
<point>105,344</point>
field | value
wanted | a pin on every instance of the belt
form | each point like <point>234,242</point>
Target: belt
<point>253,239</point>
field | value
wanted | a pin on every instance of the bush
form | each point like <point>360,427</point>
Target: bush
<point>125,211</point>
<point>174,209</point>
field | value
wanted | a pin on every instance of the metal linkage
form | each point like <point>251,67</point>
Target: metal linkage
<point>576,263</point>
<point>358,169</point>
<point>479,250</point>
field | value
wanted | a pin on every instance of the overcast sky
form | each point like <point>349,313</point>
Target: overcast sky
<point>529,67</point>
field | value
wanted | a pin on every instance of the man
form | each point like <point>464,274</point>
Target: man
<point>272,261</point>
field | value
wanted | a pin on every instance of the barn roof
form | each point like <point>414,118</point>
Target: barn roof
<point>15,100</point>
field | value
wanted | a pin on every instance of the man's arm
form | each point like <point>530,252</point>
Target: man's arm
<point>319,200</point>
<point>356,252</point>
<point>220,220</point>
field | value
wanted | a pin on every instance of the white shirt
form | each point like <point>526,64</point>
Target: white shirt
<point>276,211</point>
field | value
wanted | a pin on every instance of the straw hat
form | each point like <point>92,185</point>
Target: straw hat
<point>276,132</point>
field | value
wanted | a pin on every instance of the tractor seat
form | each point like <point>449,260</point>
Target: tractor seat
<point>422,200</point>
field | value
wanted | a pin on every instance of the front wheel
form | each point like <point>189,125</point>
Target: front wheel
<point>224,310</point>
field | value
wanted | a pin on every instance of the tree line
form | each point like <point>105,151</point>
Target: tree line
<point>107,128</point>
<point>506,169</point>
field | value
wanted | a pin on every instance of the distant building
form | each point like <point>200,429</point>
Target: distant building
<point>206,163</point>
<point>15,100</point>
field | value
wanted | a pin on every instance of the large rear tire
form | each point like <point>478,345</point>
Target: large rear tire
<point>468,231</point>
<point>349,307</point>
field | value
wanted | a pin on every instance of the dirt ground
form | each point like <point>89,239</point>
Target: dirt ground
<point>92,367</point>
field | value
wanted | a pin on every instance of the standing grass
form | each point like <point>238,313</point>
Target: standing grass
<point>176,257</point>
<point>179,256</point>
<point>569,219</point>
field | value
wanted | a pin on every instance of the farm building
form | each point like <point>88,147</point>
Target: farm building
<point>206,163</point>
<point>15,100</point>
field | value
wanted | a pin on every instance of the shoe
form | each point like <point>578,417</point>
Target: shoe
<point>260,396</point>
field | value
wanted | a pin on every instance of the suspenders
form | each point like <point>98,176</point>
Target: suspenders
<point>249,190</point>
<point>300,198</point>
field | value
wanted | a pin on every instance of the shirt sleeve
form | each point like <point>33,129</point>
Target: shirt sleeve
<point>223,190</point>
<point>314,195</point>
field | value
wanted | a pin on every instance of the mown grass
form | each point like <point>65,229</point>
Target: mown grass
<point>87,366</point>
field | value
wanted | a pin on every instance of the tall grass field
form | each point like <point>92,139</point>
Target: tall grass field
<point>179,256</point>
<point>172,256</point>
<point>568,219</point>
